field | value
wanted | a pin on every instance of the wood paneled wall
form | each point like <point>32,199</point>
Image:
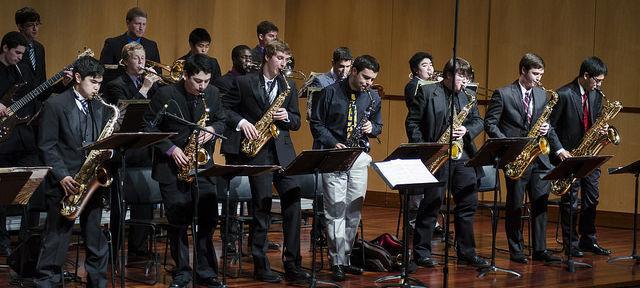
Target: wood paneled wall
<point>493,35</point>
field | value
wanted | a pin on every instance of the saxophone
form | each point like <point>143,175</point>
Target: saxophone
<point>199,157</point>
<point>356,138</point>
<point>457,145</point>
<point>265,126</point>
<point>540,144</point>
<point>92,174</point>
<point>592,141</point>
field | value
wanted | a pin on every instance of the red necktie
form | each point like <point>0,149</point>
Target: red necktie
<point>585,111</point>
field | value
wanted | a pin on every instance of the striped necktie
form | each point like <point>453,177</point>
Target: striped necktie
<point>526,101</point>
<point>85,105</point>
<point>32,56</point>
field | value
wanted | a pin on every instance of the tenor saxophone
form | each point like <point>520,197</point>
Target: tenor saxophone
<point>92,174</point>
<point>265,126</point>
<point>196,157</point>
<point>592,141</point>
<point>540,144</point>
<point>457,145</point>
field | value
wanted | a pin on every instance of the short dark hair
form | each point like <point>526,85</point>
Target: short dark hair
<point>235,52</point>
<point>462,66</point>
<point>27,14</point>
<point>199,35</point>
<point>594,66</point>
<point>366,62</point>
<point>88,66</point>
<point>341,54</point>
<point>276,46</point>
<point>14,39</point>
<point>135,12</point>
<point>197,63</point>
<point>415,60</point>
<point>530,61</point>
<point>265,27</point>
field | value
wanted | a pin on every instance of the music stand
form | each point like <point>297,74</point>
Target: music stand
<point>574,168</point>
<point>316,162</point>
<point>227,172</point>
<point>633,168</point>
<point>134,111</point>
<point>123,142</point>
<point>423,152</point>
<point>497,152</point>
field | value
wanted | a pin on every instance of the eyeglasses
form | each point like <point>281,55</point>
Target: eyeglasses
<point>30,25</point>
<point>598,81</point>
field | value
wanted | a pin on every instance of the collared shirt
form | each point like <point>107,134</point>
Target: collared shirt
<point>274,91</point>
<point>78,99</point>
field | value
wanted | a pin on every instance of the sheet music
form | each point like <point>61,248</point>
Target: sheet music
<point>405,171</point>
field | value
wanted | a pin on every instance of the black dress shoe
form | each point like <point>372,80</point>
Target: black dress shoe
<point>211,282</point>
<point>426,262</point>
<point>519,258</point>
<point>268,276</point>
<point>353,270</point>
<point>5,251</point>
<point>337,273</point>
<point>475,261</point>
<point>595,249</point>
<point>273,245</point>
<point>575,252</point>
<point>296,275</point>
<point>545,256</point>
<point>179,283</point>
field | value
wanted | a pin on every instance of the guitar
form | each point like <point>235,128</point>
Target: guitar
<point>9,122</point>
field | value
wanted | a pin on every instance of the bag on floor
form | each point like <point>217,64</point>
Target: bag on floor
<point>376,258</point>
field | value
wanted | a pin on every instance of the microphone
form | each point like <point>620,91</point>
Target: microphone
<point>159,115</point>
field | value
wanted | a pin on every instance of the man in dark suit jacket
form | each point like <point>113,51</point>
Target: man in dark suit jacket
<point>266,32</point>
<point>73,119</point>
<point>250,98</point>
<point>199,43</point>
<point>189,98</point>
<point>513,110</point>
<point>421,65</point>
<point>579,105</point>
<point>111,52</point>
<point>241,59</point>
<point>427,120</point>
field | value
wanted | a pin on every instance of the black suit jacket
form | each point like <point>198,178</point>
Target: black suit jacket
<point>506,116</point>
<point>123,88</point>
<point>112,50</point>
<point>175,95</point>
<point>246,101</point>
<point>60,143</point>
<point>225,83</point>
<point>567,115</point>
<point>410,91</point>
<point>40,73</point>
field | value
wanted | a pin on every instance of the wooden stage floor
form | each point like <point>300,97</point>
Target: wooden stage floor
<point>379,220</point>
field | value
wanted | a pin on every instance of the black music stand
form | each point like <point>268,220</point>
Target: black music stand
<point>497,152</point>
<point>123,142</point>
<point>633,168</point>
<point>573,168</point>
<point>134,111</point>
<point>316,162</point>
<point>423,152</point>
<point>227,172</point>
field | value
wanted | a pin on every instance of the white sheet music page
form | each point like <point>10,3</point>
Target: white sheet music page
<point>404,171</point>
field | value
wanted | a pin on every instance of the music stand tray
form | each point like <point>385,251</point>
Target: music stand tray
<point>633,168</point>
<point>19,183</point>
<point>133,113</point>
<point>572,168</point>
<point>497,152</point>
<point>422,151</point>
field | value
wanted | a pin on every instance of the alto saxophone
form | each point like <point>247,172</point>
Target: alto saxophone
<point>265,126</point>
<point>457,145</point>
<point>92,174</point>
<point>196,157</point>
<point>592,141</point>
<point>540,144</point>
<point>356,138</point>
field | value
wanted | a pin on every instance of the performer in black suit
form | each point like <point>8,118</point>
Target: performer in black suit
<point>183,99</point>
<point>136,27</point>
<point>19,149</point>
<point>246,104</point>
<point>266,32</point>
<point>134,84</point>
<point>421,65</point>
<point>579,106</point>
<point>199,43</point>
<point>511,113</point>
<point>427,120</point>
<point>73,119</point>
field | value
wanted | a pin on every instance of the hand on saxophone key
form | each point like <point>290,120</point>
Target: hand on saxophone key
<point>544,129</point>
<point>459,132</point>
<point>280,114</point>
<point>204,137</point>
<point>367,127</point>
<point>603,130</point>
<point>564,155</point>
<point>179,157</point>
<point>69,185</point>
<point>249,131</point>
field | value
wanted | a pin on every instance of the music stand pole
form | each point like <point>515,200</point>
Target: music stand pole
<point>634,254</point>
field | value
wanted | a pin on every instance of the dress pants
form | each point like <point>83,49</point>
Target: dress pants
<point>179,205</point>
<point>538,192</point>
<point>589,202</point>
<point>465,196</point>
<point>55,244</point>
<point>343,197</point>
